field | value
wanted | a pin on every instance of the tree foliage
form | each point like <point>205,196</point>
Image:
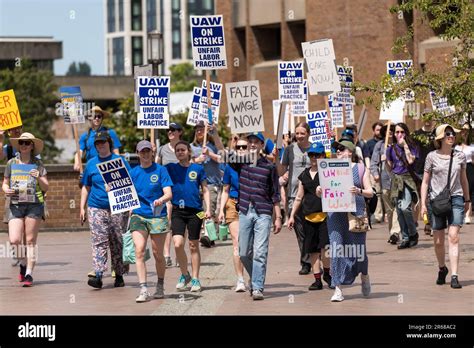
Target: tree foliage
<point>181,77</point>
<point>34,91</point>
<point>79,69</point>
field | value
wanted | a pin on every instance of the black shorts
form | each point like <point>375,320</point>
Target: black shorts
<point>316,236</point>
<point>182,218</point>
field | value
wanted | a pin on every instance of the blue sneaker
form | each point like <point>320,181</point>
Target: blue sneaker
<point>183,282</point>
<point>195,285</point>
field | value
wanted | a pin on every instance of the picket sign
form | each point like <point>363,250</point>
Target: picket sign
<point>335,177</point>
<point>245,107</point>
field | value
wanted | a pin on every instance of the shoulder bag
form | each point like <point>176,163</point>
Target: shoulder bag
<point>441,204</point>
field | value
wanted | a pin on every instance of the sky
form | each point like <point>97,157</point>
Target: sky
<point>79,24</point>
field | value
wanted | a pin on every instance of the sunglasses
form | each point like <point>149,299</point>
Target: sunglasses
<point>96,117</point>
<point>340,148</point>
<point>23,142</point>
<point>400,132</point>
<point>449,134</point>
<point>241,147</point>
<point>100,142</point>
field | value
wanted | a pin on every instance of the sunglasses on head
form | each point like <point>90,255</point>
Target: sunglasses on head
<point>241,147</point>
<point>449,134</point>
<point>23,142</point>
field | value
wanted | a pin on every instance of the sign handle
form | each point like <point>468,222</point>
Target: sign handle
<point>209,106</point>
<point>78,149</point>
<point>152,135</point>
<point>388,132</point>
<point>291,119</point>
<point>326,105</point>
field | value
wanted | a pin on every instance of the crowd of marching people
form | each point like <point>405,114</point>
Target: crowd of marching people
<point>189,189</point>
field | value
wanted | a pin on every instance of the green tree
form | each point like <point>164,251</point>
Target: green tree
<point>181,77</point>
<point>79,69</point>
<point>34,91</point>
<point>452,20</point>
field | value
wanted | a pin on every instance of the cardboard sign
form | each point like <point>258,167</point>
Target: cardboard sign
<point>207,38</point>
<point>394,111</point>
<point>140,70</point>
<point>441,105</point>
<point>397,69</point>
<point>245,107</point>
<point>216,93</point>
<point>276,116</point>
<point>122,195</point>
<point>281,119</point>
<point>290,81</point>
<point>346,79</point>
<point>335,178</point>
<point>9,112</point>
<point>318,124</point>
<point>153,93</point>
<point>193,114</point>
<point>72,108</point>
<point>23,183</point>
<point>337,113</point>
<point>350,118</point>
<point>299,108</point>
<point>320,61</point>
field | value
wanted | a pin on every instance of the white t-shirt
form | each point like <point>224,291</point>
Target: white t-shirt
<point>468,151</point>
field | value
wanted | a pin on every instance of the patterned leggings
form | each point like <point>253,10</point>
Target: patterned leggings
<point>106,232</point>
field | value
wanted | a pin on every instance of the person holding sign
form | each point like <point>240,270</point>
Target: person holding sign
<point>106,228</point>
<point>153,185</point>
<point>187,212</point>
<point>87,140</point>
<point>316,232</point>
<point>401,157</point>
<point>25,182</point>
<point>348,249</point>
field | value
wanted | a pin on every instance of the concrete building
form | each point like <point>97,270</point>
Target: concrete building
<point>128,22</point>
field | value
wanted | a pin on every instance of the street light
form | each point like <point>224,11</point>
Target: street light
<point>155,50</point>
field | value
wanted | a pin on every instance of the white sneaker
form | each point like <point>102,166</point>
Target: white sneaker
<point>365,285</point>
<point>467,220</point>
<point>144,296</point>
<point>240,287</point>
<point>337,297</point>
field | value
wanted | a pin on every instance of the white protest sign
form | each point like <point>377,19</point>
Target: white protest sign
<point>337,113</point>
<point>320,60</point>
<point>318,124</point>
<point>350,119</point>
<point>153,95</point>
<point>193,113</point>
<point>397,69</point>
<point>441,105</point>
<point>207,38</point>
<point>276,115</point>
<point>245,107</point>
<point>290,81</point>
<point>216,92</point>
<point>299,108</point>
<point>346,79</point>
<point>122,195</point>
<point>335,178</point>
<point>393,112</point>
<point>140,70</point>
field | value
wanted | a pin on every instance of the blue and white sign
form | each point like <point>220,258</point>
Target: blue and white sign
<point>73,107</point>
<point>207,38</point>
<point>216,93</point>
<point>153,93</point>
<point>122,193</point>
<point>318,124</point>
<point>441,105</point>
<point>193,114</point>
<point>290,81</point>
<point>346,78</point>
<point>397,69</point>
<point>337,113</point>
<point>299,108</point>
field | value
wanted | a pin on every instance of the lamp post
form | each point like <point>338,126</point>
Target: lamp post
<point>155,50</point>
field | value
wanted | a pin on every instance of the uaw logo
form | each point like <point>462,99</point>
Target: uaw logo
<point>324,164</point>
<point>154,178</point>
<point>192,175</point>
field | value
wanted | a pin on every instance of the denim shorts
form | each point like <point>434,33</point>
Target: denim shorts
<point>455,217</point>
<point>22,210</point>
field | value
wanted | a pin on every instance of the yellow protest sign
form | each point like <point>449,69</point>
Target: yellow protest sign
<point>9,113</point>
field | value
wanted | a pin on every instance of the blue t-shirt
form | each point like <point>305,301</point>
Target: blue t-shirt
<point>5,151</point>
<point>231,177</point>
<point>90,148</point>
<point>149,183</point>
<point>98,197</point>
<point>186,183</point>
<point>211,167</point>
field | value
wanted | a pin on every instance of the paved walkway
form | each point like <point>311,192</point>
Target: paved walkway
<point>403,283</point>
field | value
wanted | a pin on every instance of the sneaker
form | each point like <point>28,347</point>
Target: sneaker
<point>393,239</point>
<point>95,282</point>
<point>160,291</point>
<point>28,282</point>
<point>195,285</point>
<point>414,240</point>
<point>144,296</point>
<point>337,297</point>
<point>467,220</point>
<point>305,269</point>
<point>240,287</point>
<point>21,276</point>
<point>317,285</point>
<point>365,285</point>
<point>183,281</point>
<point>455,283</point>
<point>119,283</point>
<point>91,274</point>
<point>328,279</point>
<point>205,241</point>
<point>168,261</point>
<point>442,273</point>
<point>404,244</point>
<point>257,295</point>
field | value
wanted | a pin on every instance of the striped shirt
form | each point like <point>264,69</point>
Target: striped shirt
<point>259,185</point>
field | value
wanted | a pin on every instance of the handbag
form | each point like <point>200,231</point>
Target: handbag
<point>358,224</point>
<point>441,204</point>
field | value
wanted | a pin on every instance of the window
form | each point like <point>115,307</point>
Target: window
<point>137,50</point>
<point>151,15</point>
<point>197,8</point>
<point>110,16</point>
<point>118,56</point>
<point>120,5</point>
<point>176,29</point>
<point>136,15</point>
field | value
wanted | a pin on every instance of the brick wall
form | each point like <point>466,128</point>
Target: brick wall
<point>63,200</point>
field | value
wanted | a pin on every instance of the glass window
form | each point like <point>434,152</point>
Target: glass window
<point>136,15</point>
<point>176,29</point>
<point>151,15</point>
<point>118,56</point>
<point>197,8</point>
<point>137,50</point>
<point>110,16</point>
<point>120,8</point>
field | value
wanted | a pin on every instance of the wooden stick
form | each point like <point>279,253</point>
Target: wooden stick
<point>152,136</point>
<point>388,132</point>
<point>326,105</point>
<point>78,149</point>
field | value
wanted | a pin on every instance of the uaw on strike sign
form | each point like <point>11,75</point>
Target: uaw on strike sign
<point>207,33</point>
<point>153,93</point>
<point>122,194</point>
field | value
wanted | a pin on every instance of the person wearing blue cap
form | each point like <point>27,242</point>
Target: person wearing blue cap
<point>316,236</point>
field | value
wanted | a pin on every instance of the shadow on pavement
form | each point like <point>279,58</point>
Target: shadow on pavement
<point>187,296</point>
<point>211,264</point>
<point>53,263</point>
<point>217,287</point>
<point>373,295</point>
<point>57,281</point>
<point>275,294</point>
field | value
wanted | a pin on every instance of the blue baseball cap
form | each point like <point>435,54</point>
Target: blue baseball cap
<point>257,135</point>
<point>316,148</point>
